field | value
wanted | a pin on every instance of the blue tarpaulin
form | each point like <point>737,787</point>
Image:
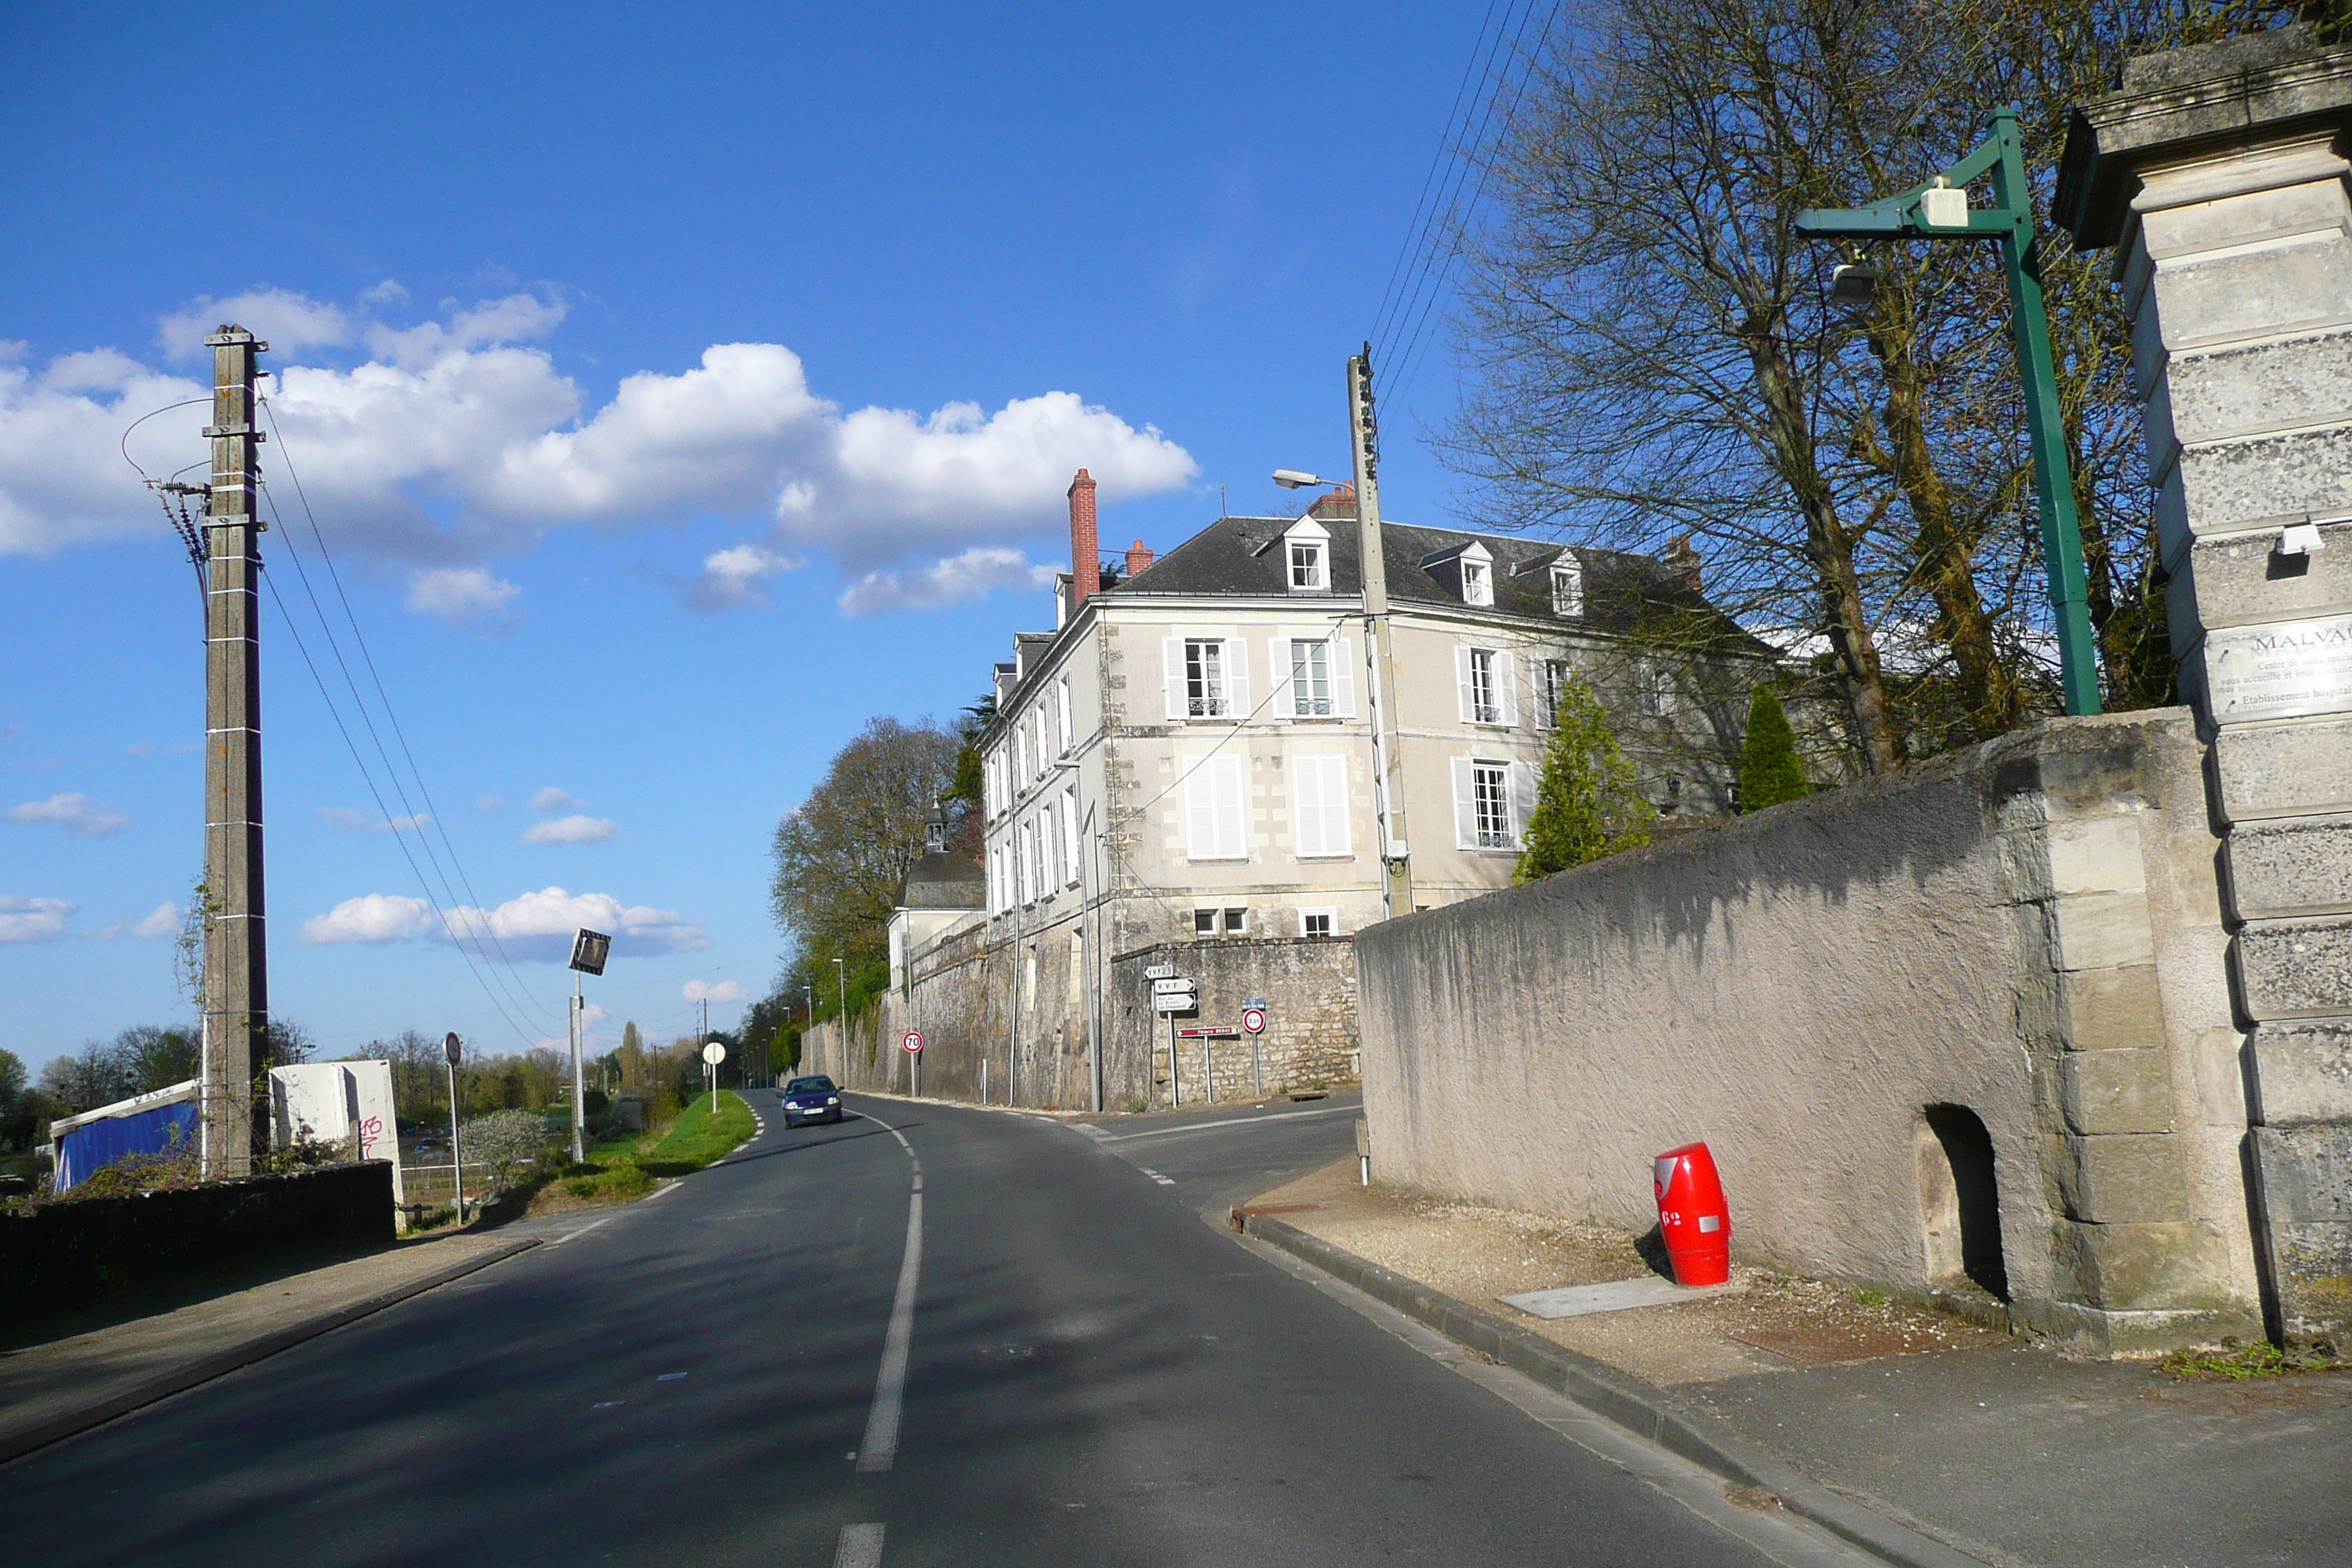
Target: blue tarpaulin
<point>147,1125</point>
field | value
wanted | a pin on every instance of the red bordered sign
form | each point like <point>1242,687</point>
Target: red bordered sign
<point>912,1042</point>
<point>1254,1020</point>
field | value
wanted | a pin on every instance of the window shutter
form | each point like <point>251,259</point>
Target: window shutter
<point>1469,701</point>
<point>1343,677</point>
<point>1070,829</point>
<point>1237,685</point>
<point>1200,809</point>
<point>1171,662</point>
<point>1277,671</point>
<point>1232,824</point>
<point>1465,805</point>
<point>1307,805</point>
<point>1321,794</point>
<point>1506,686</point>
<point>1523,800</point>
<point>1538,693</point>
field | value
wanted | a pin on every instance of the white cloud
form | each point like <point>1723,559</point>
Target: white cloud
<point>457,441</point>
<point>283,319</point>
<point>490,802</point>
<point>388,292</point>
<point>371,916</point>
<point>731,578</point>
<point>34,920</point>
<point>534,926</point>
<point>575,830</point>
<point>361,821</point>
<point>163,920</point>
<point>725,990</point>
<point>553,799</point>
<point>459,592</point>
<point>76,814</point>
<point>974,574</point>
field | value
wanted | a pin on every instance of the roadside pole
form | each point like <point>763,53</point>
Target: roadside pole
<point>590,948</point>
<point>1388,757</point>
<point>450,1048</point>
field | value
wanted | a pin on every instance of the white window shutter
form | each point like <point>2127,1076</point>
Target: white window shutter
<point>1523,800</point>
<point>1070,827</point>
<point>1324,783</point>
<point>1171,661</point>
<point>1343,677</point>
<point>1233,842</point>
<point>1200,809</point>
<point>1462,683</point>
<point>1306,806</point>
<point>1277,671</point>
<point>1506,682</point>
<point>1465,805</point>
<point>1237,684</point>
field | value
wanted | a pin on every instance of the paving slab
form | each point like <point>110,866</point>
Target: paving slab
<point>1616,1296</point>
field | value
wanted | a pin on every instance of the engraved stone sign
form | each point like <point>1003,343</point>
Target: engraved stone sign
<point>2282,671</point>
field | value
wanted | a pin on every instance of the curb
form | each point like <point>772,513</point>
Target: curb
<point>15,1446</point>
<point>1641,1408</point>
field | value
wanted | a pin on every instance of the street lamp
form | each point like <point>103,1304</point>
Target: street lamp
<point>841,974</point>
<point>1295,479</point>
<point>1939,210</point>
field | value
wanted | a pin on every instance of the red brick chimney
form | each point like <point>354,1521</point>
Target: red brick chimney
<point>1340,502</point>
<point>1139,557</point>
<point>1086,553</point>
<point>1684,561</point>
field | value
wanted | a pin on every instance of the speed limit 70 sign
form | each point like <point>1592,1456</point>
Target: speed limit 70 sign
<point>912,1042</point>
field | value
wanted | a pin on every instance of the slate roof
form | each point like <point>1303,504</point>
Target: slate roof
<point>943,880</point>
<point>1242,555</point>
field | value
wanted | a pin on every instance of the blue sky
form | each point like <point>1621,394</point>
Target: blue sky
<point>676,388</point>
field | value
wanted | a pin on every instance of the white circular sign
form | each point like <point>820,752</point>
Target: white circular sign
<point>912,1042</point>
<point>1253,1019</point>
<point>714,1053</point>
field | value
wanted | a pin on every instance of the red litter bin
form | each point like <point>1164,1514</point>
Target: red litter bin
<point>1692,1219</point>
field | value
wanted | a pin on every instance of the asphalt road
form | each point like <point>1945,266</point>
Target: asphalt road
<point>755,1367</point>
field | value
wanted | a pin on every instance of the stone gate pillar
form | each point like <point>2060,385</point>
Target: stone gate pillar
<point>2218,173</point>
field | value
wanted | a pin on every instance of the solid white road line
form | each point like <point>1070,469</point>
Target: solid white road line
<point>1230,1121</point>
<point>861,1547</point>
<point>583,1229</point>
<point>881,1444</point>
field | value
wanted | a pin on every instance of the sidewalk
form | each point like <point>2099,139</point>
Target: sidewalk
<point>2009,1453</point>
<point>49,1392</point>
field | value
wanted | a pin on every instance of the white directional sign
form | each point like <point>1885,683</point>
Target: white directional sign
<point>1160,971</point>
<point>1170,986</point>
<point>1174,996</point>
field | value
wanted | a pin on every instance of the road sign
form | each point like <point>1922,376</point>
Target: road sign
<point>714,1053</point>
<point>451,1048</point>
<point>1174,1001</point>
<point>1160,971</point>
<point>589,951</point>
<point>1169,986</point>
<point>1253,1019</point>
<point>912,1042</point>
<point>1209,1032</point>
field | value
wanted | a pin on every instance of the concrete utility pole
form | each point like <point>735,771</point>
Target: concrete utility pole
<point>1388,763</point>
<point>236,948</point>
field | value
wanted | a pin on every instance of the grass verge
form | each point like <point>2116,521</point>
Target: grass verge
<point>2264,1360</point>
<point>699,1136</point>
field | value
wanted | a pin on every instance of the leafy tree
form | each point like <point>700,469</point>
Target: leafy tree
<point>1586,806</point>
<point>12,1080</point>
<point>506,1141</point>
<point>842,856</point>
<point>1770,768</point>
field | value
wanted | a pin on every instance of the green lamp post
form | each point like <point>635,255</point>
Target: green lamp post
<point>1940,210</point>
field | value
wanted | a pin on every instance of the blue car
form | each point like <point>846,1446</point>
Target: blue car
<point>808,1099</point>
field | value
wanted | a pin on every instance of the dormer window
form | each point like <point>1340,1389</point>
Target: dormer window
<point>1307,569</point>
<point>1478,582</point>
<point>1568,588</point>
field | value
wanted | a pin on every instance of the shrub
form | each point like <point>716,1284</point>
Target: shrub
<point>505,1141</point>
<point>1586,806</point>
<point>1770,768</point>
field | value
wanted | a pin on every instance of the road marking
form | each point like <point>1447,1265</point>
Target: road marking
<point>881,1444</point>
<point>1229,1121</point>
<point>861,1547</point>
<point>660,1191</point>
<point>583,1229</point>
<point>1155,1176</point>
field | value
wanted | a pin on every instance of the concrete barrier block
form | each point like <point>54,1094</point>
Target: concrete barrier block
<point>2300,768</point>
<point>2291,866</point>
<point>2102,930</point>
<point>2295,969</point>
<point>2178,1264</point>
<point>2123,1178</point>
<point>2103,1092</point>
<point>2117,1009</point>
<point>2303,1073</point>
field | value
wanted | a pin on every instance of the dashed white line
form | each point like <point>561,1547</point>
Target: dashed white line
<point>583,1229</point>
<point>861,1547</point>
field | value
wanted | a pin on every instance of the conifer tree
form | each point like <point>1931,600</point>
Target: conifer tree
<point>1586,806</point>
<point>1769,769</point>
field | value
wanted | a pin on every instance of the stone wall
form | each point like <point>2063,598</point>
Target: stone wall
<point>2031,931</point>
<point>1308,985</point>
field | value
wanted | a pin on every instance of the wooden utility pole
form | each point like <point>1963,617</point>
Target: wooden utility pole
<point>1388,763</point>
<point>236,947</point>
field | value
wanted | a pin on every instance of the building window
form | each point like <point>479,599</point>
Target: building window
<point>1318,923</point>
<point>1204,922</point>
<point>1213,819</point>
<point>1219,922</point>
<point>1062,711</point>
<point>1490,805</point>
<point>1318,807</point>
<point>1555,684</point>
<point>1478,584</point>
<point>1485,706</point>
<point>1020,756</point>
<point>1656,690</point>
<point>1072,848</point>
<point>1204,678</point>
<point>1049,854</point>
<point>1310,679</point>
<point>1568,588</point>
<point>1307,569</point>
